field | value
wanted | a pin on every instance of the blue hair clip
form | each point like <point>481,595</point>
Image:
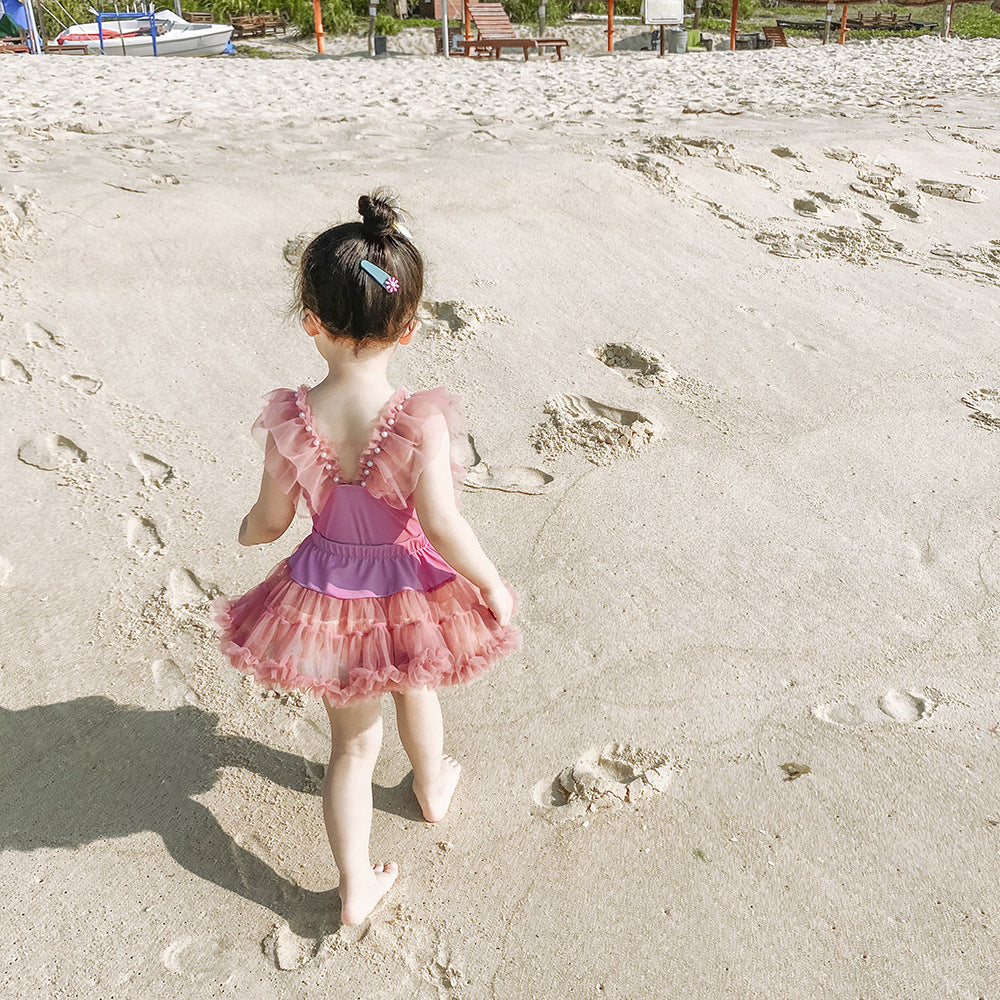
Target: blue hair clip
<point>386,280</point>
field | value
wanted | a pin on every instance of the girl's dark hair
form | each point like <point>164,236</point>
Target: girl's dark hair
<point>347,300</point>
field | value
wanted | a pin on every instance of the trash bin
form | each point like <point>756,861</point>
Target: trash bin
<point>677,40</point>
<point>380,45</point>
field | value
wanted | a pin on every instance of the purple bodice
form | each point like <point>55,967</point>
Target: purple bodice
<point>360,546</point>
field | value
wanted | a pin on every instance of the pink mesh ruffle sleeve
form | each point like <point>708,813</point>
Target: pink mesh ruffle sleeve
<point>405,447</point>
<point>293,456</point>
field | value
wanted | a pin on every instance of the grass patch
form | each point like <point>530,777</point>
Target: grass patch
<point>253,52</point>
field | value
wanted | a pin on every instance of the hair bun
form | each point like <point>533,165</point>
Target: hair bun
<point>378,214</point>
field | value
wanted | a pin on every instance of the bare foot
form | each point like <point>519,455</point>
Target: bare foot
<point>435,797</point>
<point>358,903</point>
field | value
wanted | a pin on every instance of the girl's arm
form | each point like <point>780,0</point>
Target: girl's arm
<point>449,532</point>
<point>270,516</point>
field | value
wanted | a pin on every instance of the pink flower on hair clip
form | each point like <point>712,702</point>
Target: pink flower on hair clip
<point>386,280</point>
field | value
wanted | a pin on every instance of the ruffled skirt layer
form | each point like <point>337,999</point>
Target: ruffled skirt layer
<point>289,637</point>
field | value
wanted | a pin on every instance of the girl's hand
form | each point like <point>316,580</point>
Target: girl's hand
<point>499,601</point>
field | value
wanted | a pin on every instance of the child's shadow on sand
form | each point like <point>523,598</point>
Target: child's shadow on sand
<point>91,769</point>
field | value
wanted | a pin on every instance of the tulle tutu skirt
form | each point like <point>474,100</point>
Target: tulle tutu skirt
<point>347,649</point>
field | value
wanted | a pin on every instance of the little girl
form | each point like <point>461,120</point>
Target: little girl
<point>391,591</point>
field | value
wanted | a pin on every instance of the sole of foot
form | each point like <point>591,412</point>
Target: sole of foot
<point>435,800</point>
<point>357,905</point>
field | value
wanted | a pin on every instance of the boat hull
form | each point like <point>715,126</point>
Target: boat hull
<point>174,37</point>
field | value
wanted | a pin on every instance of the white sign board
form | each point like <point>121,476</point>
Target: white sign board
<point>663,12</point>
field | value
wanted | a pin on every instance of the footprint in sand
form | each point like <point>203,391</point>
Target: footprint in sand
<point>186,593</point>
<point>980,263</point>
<point>816,203</point>
<point>985,406</point>
<point>950,190</point>
<point>680,147</point>
<point>507,479</point>
<point>805,207</point>
<point>907,208</point>
<point>295,247</point>
<point>452,320</point>
<point>602,778</point>
<point>857,246</point>
<point>83,383</point>
<point>640,366</point>
<point>15,206</point>
<point>143,537</point>
<point>879,180</point>
<point>652,168</point>
<point>50,452</point>
<point>904,707</point>
<point>840,153</point>
<point>784,153</point>
<point>214,957</point>
<point>169,680</point>
<point>510,479</point>
<point>446,976</point>
<point>603,432</point>
<point>287,950</point>
<point>11,370</point>
<point>39,336</point>
<point>445,319</point>
<point>153,471</point>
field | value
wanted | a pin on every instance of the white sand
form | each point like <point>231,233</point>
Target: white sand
<point>789,560</point>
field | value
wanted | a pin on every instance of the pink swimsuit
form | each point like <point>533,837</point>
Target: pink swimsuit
<point>365,604</point>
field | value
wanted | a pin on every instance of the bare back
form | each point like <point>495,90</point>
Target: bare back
<point>346,415</point>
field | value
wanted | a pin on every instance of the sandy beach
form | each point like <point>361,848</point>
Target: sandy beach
<point>724,325</point>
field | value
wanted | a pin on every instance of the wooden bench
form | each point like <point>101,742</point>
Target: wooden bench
<point>53,49</point>
<point>273,23</point>
<point>199,17</point>
<point>248,26</point>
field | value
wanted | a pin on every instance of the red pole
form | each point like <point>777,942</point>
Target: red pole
<point>611,25</point>
<point>318,26</point>
<point>468,28</point>
<point>732,27</point>
<point>843,23</point>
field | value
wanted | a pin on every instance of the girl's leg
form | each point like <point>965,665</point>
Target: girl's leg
<point>421,731</point>
<point>355,739</point>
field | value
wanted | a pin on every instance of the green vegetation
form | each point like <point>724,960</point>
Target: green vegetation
<point>976,21</point>
<point>346,16</point>
<point>970,20</point>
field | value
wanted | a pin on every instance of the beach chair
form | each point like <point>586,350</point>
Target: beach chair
<point>775,35</point>
<point>495,33</point>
